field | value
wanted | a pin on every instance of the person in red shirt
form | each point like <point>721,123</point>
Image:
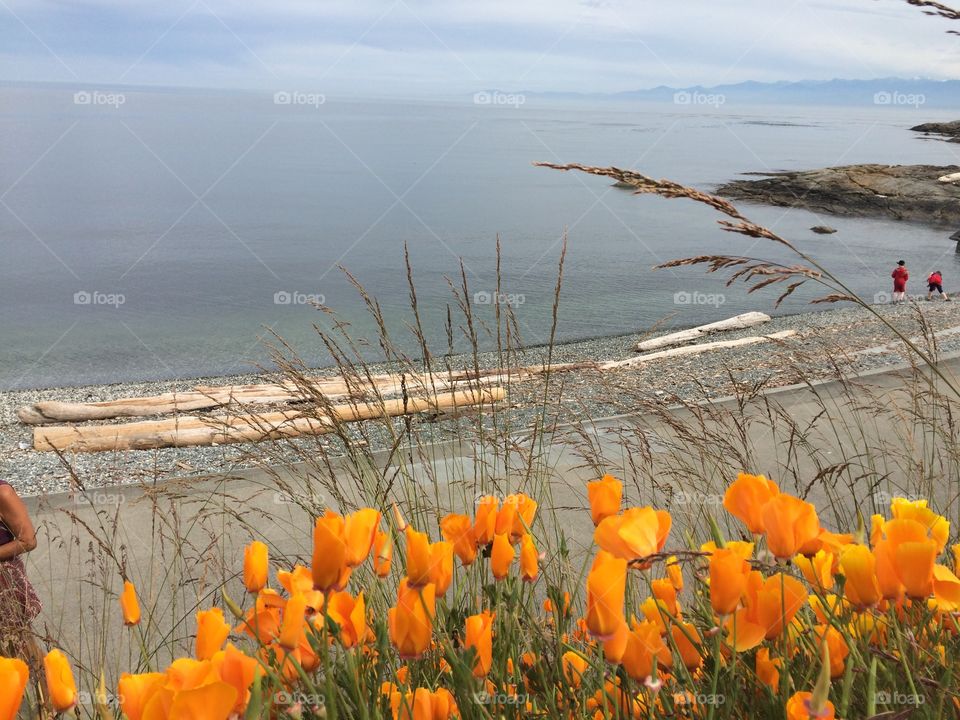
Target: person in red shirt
<point>935,282</point>
<point>900,277</point>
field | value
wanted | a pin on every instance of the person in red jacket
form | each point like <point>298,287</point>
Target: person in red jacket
<point>900,277</point>
<point>935,282</point>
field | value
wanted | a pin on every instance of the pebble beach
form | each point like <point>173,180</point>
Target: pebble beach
<point>844,339</point>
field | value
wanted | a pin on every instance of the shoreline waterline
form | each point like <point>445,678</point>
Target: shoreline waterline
<point>187,382</point>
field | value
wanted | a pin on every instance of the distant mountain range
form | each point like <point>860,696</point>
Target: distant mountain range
<point>893,92</point>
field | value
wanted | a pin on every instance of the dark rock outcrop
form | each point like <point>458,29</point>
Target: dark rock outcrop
<point>901,192</point>
<point>823,230</point>
<point>949,131</point>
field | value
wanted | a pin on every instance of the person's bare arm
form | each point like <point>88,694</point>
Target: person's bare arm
<point>16,517</point>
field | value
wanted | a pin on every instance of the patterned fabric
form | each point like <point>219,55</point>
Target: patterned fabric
<point>19,605</point>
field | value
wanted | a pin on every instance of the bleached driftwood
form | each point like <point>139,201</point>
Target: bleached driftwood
<point>735,323</point>
<point>694,350</point>
<point>951,178</point>
<point>191,430</point>
<point>205,397</point>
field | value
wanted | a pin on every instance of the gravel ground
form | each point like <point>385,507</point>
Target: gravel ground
<point>848,337</point>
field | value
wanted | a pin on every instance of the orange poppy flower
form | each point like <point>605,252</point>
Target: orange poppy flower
<point>777,602</point>
<point>605,496</point>
<point>745,498</point>
<point>827,541</point>
<point>262,621</point>
<point>411,621</point>
<point>441,565</point>
<point>329,566</point>
<point>214,700</point>
<point>485,524</point>
<point>818,570</point>
<point>789,523</point>
<point>14,675</point>
<point>516,516</point>
<point>917,510</point>
<point>616,645</point>
<point>664,591</point>
<point>905,558</point>
<point>876,528</point>
<point>837,646</point>
<point>768,670</point>
<point>675,573</point>
<point>212,632</point>
<point>61,685</point>
<point>501,557</point>
<point>293,623</point>
<point>458,530</point>
<point>238,670</point>
<point>422,704</point>
<point>655,611</point>
<point>255,566</point>
<point>350,615</point>
<point>297,580</point>
<point>574,665</point>
<point>382,554</point>
<point>134,691</point>
<point>915,562</point>
<point>360,529</point>
<point>479,636</point>
<point>800,707</point>
<point>946,589</point>
<point>688,642</point>
<point>770,604</point>
<point>644,645</point>
<point>129,605</point>
<point>529,559</point>
<point>859,567</point>
<point>419,560</point>
<point>634,535</point>
<point>728,579</point>
<point>606,587</point>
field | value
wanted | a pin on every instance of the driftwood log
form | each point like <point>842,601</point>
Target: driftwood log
<point>738,322</point>
<point>203,397</point>
<point>190,430</point>
<point>694,350</point>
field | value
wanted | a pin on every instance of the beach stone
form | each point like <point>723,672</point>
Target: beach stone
<point>823,230</point>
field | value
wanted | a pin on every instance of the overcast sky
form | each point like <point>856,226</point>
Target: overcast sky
<point>450,47</point>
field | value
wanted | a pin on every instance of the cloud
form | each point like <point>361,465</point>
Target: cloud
<point>436,47</point>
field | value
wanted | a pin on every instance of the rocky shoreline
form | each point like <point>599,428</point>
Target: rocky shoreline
<point>949,131</point>
<point>900,192</point>
<point>845,339</point>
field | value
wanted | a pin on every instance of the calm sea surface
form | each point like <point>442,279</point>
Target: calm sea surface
<point>164,234</point>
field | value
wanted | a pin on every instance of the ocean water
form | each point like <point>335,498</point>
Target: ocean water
<point>160,234</point>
